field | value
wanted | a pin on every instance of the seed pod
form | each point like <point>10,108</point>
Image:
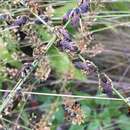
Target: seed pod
<point>49,11</point>
<point>39,50</point>
<point>33,5</point>
<point>106,84</point>
<point>72,111</point>
<point>43,70</point>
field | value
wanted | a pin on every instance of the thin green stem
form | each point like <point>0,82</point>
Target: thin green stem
<point>110,27</point>
<point>70,96</point>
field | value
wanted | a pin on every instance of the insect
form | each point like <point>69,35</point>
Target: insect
<point>27,67</point>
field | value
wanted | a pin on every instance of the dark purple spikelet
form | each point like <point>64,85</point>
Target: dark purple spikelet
<point>74,15</point>
<point>86,66</point>
<point>65,43</point>
<point>64,33</point>
<point>106,84</point>
<point>20,21</point>
<point>66,16</point>
<point>68,45</point>
<point>84,6</point>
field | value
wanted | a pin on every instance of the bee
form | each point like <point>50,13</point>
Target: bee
<point>27,68</point>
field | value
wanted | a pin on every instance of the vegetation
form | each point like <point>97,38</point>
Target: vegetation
<point>64,65</point>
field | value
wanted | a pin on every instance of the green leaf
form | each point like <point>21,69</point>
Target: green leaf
<point>76,127</point>
<point>94,125</point>
<point>124,122</point>
<point>59,61</point>
<point>61,11</point>
<point>62,64</point>
<point>59,115</point>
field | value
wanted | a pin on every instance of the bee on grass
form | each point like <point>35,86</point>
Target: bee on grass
<point>27,68</point>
